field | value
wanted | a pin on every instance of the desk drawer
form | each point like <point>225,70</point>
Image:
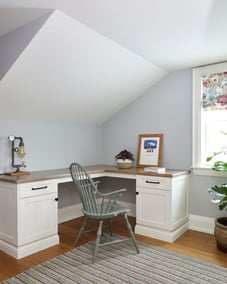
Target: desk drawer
<point>37,188</point>
<point>153,182</point>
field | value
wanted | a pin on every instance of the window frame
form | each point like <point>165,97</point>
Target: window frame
<point>197,167</point>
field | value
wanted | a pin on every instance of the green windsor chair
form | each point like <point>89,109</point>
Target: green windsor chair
<point>98,206</point>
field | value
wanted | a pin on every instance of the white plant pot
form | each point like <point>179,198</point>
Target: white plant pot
<point>124,164</point>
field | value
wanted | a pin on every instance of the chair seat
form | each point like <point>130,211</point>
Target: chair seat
<point>103,213</point>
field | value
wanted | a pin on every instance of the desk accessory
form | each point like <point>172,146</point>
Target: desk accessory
<point>19,150</point>
<point>155,170</point>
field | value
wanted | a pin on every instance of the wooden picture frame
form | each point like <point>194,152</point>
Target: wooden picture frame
<point>149,150</point>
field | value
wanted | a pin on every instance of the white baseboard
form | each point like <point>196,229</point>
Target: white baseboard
<point>160,234</point>
<point>196,222</point>
<point>28,249</point>
<point>201,224</point>
<point>74,211</point>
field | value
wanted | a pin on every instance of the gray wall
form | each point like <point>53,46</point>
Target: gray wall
<point>68,195</point>
<point>199,200</point>
<point>51,144</point>
<point>165,108</point>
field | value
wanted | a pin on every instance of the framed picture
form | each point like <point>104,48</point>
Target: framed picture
<point>149,150</point>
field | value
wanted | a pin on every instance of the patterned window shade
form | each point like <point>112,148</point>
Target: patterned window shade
<point>214,91</point>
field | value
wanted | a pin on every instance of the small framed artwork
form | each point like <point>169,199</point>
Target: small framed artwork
<point>149,150</point>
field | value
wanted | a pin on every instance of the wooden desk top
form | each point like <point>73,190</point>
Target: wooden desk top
<point>96,169</point>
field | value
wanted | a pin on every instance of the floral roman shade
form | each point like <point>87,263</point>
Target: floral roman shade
<point>214,91</point>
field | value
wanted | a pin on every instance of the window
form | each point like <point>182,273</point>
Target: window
<point>209,115</point>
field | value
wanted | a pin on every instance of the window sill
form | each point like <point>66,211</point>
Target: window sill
<point>203,171</point>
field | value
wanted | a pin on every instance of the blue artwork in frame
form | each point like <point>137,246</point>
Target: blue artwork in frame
<point>150,145</point>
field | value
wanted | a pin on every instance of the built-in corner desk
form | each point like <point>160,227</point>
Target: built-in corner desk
<point>29,206</point>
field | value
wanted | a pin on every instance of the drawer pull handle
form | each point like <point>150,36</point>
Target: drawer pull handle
<point>38,188</point>
<point>154,182</point>
<point>56,199</point>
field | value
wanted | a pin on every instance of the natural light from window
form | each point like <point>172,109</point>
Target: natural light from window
<point>209,116</point>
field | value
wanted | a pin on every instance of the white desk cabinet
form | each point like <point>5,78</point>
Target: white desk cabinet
<point>28,221</point>
<point>161,206</point>
<point>29,207</point>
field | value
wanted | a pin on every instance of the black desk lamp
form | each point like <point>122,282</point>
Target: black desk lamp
<point>18,150</point>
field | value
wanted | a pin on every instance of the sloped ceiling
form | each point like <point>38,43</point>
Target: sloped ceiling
<point>89,59</point>
<point>69,71</point>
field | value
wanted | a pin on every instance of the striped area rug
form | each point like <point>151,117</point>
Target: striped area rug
<point>120,264</point>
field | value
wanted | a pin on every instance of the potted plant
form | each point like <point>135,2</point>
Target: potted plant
<point>124,159</point>
<point>220,197</point>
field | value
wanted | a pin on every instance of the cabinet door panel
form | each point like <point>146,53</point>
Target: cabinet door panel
<point>37,218</point>
<point>153,207</point>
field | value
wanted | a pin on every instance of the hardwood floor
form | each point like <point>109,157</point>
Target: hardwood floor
<point>192,243</point>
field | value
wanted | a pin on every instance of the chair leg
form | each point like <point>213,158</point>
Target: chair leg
<point>81,230</point>
<point>110,226</point>
<point>97,242</point>
<point>131,232</point>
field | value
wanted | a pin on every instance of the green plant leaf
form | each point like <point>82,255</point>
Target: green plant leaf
<point>125,154</point>
<point>222,206</point>
<point>220,166</point>
<point>220,189</point>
